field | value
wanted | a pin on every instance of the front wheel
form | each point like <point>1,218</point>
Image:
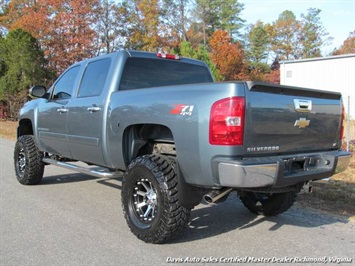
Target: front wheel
<point>268,204</point>
<point>150,199</point>
<point>28,161</point>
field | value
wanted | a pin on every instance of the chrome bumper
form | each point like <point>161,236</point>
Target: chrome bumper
<point>343,162</point>
<point>235,174</point>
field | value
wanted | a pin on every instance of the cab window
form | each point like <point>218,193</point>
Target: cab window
<point>94,78</point>
<point>63,88</point>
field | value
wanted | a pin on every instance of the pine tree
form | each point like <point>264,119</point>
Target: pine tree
<point>23,66</point>
<point>312,34</point>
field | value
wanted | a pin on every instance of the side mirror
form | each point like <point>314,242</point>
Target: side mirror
<point>38,91</point>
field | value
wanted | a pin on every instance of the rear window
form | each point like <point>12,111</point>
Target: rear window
<point>141,73</point>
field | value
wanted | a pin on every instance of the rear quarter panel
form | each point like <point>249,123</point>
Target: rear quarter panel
<point>190,130</point>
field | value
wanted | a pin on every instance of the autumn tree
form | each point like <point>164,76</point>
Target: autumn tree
<point>23,65</point>
<point>72,34</point>
<point>64,28</point>
<point>143,33</point>
<point>227,56</point>
<point>348,46</point>
<point>196,35</point>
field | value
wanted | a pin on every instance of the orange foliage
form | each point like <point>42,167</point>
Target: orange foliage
<point>227,56</point>
<point>63,27</point>
<point>273,76</point>
<point>348,46</point>
<point>146,32</point>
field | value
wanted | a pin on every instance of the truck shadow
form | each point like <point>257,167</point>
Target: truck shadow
<point>208,221</point>
<point>66,178</point>
<point>212,220</point>
<point>79,177</point>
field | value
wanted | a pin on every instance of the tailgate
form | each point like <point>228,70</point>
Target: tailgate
<point>283,119</point>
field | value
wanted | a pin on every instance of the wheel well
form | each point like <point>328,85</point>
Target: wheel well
<point>140,139</point>
<point>25,128</point>
<point>147,139</point>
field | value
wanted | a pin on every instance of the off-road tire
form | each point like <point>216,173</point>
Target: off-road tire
<point>268,204</point>
<point>152,180</point>
<point>28,161</point>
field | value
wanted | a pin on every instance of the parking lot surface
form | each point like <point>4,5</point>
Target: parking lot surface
<point>75,219</point>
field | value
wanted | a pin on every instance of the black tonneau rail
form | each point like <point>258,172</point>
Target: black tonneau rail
<point>289,90</point>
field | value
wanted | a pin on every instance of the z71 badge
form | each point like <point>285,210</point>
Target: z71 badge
<point>182,109</point>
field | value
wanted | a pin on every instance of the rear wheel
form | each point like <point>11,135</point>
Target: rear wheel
<point>28,161</point>
<point>268,204</point>
<point>150,199</point>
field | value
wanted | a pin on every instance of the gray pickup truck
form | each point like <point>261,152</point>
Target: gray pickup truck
<point>179,137</point>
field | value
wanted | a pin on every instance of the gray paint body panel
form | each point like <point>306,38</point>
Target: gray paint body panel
<point>97,137</point>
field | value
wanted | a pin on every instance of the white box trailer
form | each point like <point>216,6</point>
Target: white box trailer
<point>332,73</point>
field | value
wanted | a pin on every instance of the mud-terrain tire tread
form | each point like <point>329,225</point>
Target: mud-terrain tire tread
<point>34,168</point>
<point>172,218</point>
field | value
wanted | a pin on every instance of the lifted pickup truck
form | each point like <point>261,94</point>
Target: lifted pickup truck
<point>179,137</point>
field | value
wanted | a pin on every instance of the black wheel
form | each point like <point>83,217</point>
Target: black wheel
<point>150,199</point>
<point>28,161</point>
<point>268,204</point>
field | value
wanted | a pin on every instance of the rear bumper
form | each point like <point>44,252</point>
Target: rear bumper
<point>280,171</point>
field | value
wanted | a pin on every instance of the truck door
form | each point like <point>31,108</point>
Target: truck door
<point>53,115</point>
<point>86,115</point>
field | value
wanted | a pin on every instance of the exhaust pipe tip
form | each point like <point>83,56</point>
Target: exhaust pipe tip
<point>208,199</point>
<point>216,195</point>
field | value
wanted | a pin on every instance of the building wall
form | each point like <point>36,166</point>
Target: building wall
<point>334,73</point>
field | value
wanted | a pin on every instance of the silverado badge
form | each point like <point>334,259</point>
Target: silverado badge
<point>302,123</point>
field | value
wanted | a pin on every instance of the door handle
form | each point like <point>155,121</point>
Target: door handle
<point>303,106</point>
<point>62,110</point>
<point>93,109</point>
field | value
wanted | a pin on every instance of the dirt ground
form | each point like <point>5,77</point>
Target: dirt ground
<point>8,129</point>
<point>336,196</point>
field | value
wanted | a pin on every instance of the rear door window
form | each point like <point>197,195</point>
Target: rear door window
<point>94,78</point>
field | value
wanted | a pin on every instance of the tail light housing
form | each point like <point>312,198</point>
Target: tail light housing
<point>227,121</point>
<point>342,123</point>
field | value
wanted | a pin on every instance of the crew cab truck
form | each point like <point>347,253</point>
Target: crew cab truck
<point>179,137</point>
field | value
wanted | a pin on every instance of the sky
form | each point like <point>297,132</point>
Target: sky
<point>337,16</point>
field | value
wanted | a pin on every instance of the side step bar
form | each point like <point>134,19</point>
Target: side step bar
<point>103,172</point>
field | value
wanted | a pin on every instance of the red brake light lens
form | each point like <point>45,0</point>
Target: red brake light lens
<point>342,123</point>
<point>168,56</point>
<point>227,122</point>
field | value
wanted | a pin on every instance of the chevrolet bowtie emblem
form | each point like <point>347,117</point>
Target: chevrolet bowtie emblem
<point>302,123</point>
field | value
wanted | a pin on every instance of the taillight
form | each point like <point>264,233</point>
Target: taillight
<point>227,121</point>
<point>342,123</point>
